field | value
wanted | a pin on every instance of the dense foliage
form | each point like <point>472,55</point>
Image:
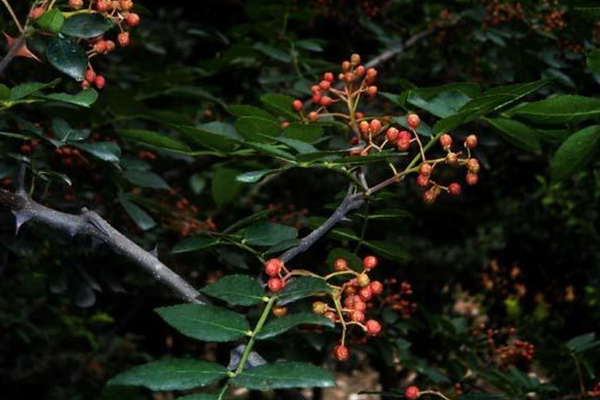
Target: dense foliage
<point>417,221</point>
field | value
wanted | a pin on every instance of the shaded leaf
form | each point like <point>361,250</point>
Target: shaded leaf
<point>240,290</point>
<point>280,325</point>
<point>299,288</point>
<point>563,109</point>
<point>86,25</point>
<point>67,56</point>
<point>264,233</point>
<point>194,243</point>
<point>517,134</point>
<point>139,216</point>
<point>154,139</point>
<point>575,153</point>
<point>225,187</point>
<point>145,179</point>
<point>283,376</point>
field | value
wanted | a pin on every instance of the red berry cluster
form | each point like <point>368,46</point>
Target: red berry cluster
<point>350,301</point>
<point>70,157</point>
<point>28,147</point>
<point>287,215</point>
<point>183,217</point>
<point>397,300</point>
<point>595,392</point>
<point>512,350</point>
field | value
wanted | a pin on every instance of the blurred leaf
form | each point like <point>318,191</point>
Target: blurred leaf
<point>225,187</point>
<point>308,133</point>
<point>27,89</point>
<point>582,343</point>
<point>247,221</point>
<point>171,375</point>
<point>154,139</point>
<point>280,104</point>
<point>255,176</point>
<point>388,250</point>
<point>139,216</point>
<point>194,243</point>
<point>264,233</point>
<point>239,290</point>
<point>517,134</point>
<point>299,288</point>
<point>206,323</point>
<point>106,151</point>
<point>86,25</point>
<point>249,111</point>
<point>63,131</point>
<point>257,129</point>
<point>575,153</point>
<point>85,98</point>
<point>283,376</point>
<point>309,45</point>
<point>273,52</point>
<point>145,179</point>
<point>214,135</point>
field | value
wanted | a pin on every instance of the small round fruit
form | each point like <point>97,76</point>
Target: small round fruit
<point>373,327</point>
<point>392,134</point>
<point>370,262</point>
<point>471,141</point>
<point>425,169</point>
<point>446,141</point>
<point>472,178</point>
<point>273,267</point>
<point>451,158</point>
<point>99,81</point>
<point>297,105</point>
<point>430,196</point>
<point>454,189</point>
<point>313,116</point>
<point>376,287</point>
<point>328,76</point>
<point>371,73</point>
<point>364,127</point>
<point>473,165</point>
<point>412,393</point>
<point>357,316</point>
<point>319,307</point>
<point>413,120</point>
<point>133,20</point>
<point>404,135</point>
<point>346,66</point>
<point>375,125</point>
<point>360,70</point>
<point>275,284</point>
<point>365,294</point>
<point>340,264</point>
<point>372,91</point>
<point>341,353</point>
<point>326,101</point>
<point>123,39</point>
<point>90,76</point>
<point>359,305</point>
<point>279,312</point>
<point>330,315</point>
<point>422,180</point>
<point>363,280</point>
<point>355,59</point>
<point>324,85</point>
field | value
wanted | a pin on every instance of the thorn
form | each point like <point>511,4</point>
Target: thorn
<point>20,218</point>
<point>23,50</point>
<point>154,251</point>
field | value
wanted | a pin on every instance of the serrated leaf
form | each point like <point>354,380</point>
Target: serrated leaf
<point>225,187</point>
<point>517,134</point>
<point>207,323</point>
<point>193,244</point>
<point>563,109</point>
<point>85,98</point>
<point>145,179</point>
<point>154,139</point>
<point>280,104</point>
<point>86,26</point>
<point>308,133</point>
<point>280,325</point>
<point>301,287</point>
<point>139,216</point>
<point>27,89</point>
<point>575,153</point>
<point>257,129</point>
<point>171,375</point>
<point>284,376</point>
<point>67,56</point>
<point>264,233</point>
<point>239,290</point>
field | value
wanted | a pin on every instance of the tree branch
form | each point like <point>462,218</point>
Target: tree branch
<point>91,224</point>
<point>12,52</point>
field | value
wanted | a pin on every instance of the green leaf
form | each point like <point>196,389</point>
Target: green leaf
<point>354,262</point>
<point>249,111</point>
<point>27,89</point>
<point>271,150</point>
<point>284,324</point>
<point>581,343</point>
<point>257,129</point>
<point>389,250</point>
<point>308,133</point>
<point>207,323</point>
<point>139,216</point>
<point>299,288</point>
<point>563,109</point>
<point>52,21</point>
<point>298,145</point>
<point>239,290</point>
<point>264,233</point>
<point>309,45</point>
<point>154,139</point>
<point>247,221</point>
<point>517,134</point>
<point>67,56</point>
<point>214,135</point>
<point>283,376</point>
<point>225,187</point>
<point>442,105</point>
<point>280,104</point>
<point>575,153</point>
<point>255,176</point>
<point>273,52</point>
<point>193,244</point>
<point>85,98</point>
<point>63,131</point>
<point>106,151</point>
<point>145,179</point>
<point>171,375</point>
<point>86,26</point>
<point>388,214</point>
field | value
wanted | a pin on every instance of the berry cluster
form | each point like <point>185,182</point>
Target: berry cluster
<point>183,218</point>
<point>397,300</point>
<point>28,147</point>
<point>512,350</point>
<point>375,134</point>
<point>349,301</point>
<point>118,11</point>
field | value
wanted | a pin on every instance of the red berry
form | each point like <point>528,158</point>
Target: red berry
<point>313,116</point>
<point>315,89</point>
<point>430,196</point>
<point>473,165</point>
<point>360,70</point>
<point>472,178</point>
<point>25,149</point>
<point>403,144</point>
<point>275,284</point>
<point>363,280</point>
<point>102,6</point>
<point>349,77</point>
<point>454,189</point>
<point>451,158</point>
<point>273,266</point>
<point>371,73</point>
<point>133,19</point>
<point>471,141</point>
<point>330,315</point>
<point>364,127</point>
<point>359,305</point>
<point>341,353</point>
<point>392,135</point>
<point>100,47</point>
<point>413,120</point>
<point>100,81</point>
<point>446,141</point>
<point>126,5</point>
<point>284,124</point>
<point>90,76</point>
<point>110,45</point>
<point>324,85</point>
<point>425,169</point>
<point>328,76</point>
<point>340,264</point>
<point>370,262</point>
<point>365,294</point>
<point>355,59</point>
<point>297,105</point>
<point>422,180</point>
<point>36,12</point>
<point>279,312</point>
<point>76,4</point>
<point>346,66</point>
<point>376,287</point>
<point>123,39</point>
<point>316,98</point>
<point>375,125</point>
<point>372,91</point>
<point>373,327</point>
<point>326,101</point>
<point>412,393</point>
<point>357,316</point>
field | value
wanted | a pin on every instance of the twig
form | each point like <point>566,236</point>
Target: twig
<point>12,52</point>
